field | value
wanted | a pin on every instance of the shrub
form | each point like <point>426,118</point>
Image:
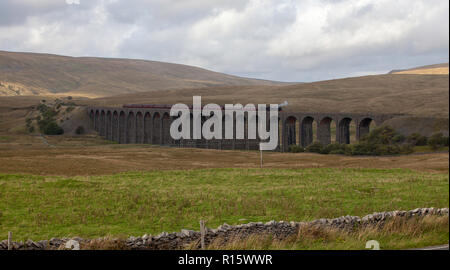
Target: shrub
<point>329,148</point>
<point>46,120</point>
<point>42,108</point>
<point>382,150</point>
<point>416,139</point>
<point>69,109</point>
<point>336,148</point>
<point>385,141</point>
<point>52,129</point>
<point>338,152</point>
<point>406,149</point>
<point>43,123</point>
<point>79,130</point>
<point>380,141</point>
<point>437,141</point>
<point>364,148</point>
<point>315,147</point>
<point>47,111</point>
<point>423,140</point>
<point>382,135</point>
<point>294,148</point>
<point>399,138</point>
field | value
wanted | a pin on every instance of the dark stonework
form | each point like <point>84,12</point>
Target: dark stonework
<point>152,125</point>
<point>306,128</point>
<point>108,132</point>
<point>324,131</point>
<point>115,127</point>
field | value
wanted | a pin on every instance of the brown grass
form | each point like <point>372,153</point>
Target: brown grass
<point>419,95</point>
<point>397,233</point>
<point>44,74</point>
<point>86,156</point>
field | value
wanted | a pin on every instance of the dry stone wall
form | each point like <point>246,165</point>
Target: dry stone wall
<point>184,238</point>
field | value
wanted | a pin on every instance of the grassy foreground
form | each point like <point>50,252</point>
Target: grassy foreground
<point>41,207</point>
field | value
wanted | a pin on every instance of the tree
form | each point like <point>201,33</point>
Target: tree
<point>53,129</point>
<point>438,140</point>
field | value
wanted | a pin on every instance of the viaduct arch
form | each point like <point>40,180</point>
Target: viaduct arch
<point>150,124</point>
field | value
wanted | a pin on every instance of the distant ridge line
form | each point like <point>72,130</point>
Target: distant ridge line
<point>441,65</point>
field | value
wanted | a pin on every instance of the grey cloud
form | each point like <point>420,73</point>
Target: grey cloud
<point>15,12</point>
<point>169,12</point>
<point>280,40</point>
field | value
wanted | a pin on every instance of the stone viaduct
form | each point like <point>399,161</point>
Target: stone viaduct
<point>150,124</point>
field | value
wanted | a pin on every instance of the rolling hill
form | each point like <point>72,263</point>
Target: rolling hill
<point>44,74</point>
<point>114,82</point>
<point>439,69</point>
<point>423,100</point>
<point>418,95</point>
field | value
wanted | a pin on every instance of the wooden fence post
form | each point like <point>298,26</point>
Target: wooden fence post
<point>9,240</point>
<point>202,234</point>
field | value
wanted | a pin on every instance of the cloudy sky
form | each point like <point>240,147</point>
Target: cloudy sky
<point>303,40</point>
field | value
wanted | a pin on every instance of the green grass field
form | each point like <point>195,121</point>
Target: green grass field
<point>41,207</point>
